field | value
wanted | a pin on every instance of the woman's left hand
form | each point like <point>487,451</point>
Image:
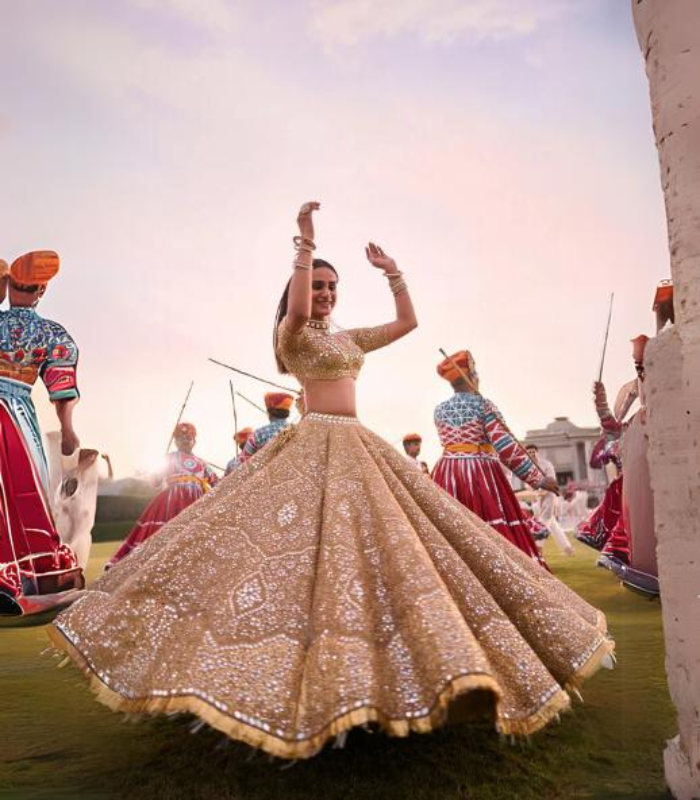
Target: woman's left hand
<point>379,259</point>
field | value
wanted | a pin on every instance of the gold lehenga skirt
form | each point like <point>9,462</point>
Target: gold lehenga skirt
<point>325,584</point>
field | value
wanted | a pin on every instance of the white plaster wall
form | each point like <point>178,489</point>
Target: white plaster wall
<point>669,36</point>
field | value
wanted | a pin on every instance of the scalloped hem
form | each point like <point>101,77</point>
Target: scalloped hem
<point>306,748</point>
<point>595,661</point>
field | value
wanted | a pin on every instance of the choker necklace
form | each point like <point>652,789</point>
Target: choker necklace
<point>319,324</point>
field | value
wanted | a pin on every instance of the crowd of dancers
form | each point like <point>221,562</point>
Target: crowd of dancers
<point>325,581</point>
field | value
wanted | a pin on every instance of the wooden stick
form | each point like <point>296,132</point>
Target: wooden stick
<point>605,341</point>
<point>255,405</point>
<point>254,377</point>
<point>179,417</point>
<point>235,417</point>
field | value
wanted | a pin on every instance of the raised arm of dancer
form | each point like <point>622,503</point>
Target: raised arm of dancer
<point>299,301</point>
<point>605,415</point>
<point>110,469</point>
<point>405,320</point>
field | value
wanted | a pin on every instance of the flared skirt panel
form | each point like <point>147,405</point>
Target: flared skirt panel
<point>328,583</point>
<point>33,560</point>
<point>597,529</point>
<point>479,483</point>
<point>166,505</point>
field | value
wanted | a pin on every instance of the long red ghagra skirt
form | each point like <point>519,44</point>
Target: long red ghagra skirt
<point>165,506</point>
<point>33,560</point>
<point>480,484</point>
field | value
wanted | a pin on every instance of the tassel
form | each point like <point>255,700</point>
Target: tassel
<point>340,740</point>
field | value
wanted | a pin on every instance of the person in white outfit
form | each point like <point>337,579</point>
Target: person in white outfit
<point>547,511</point>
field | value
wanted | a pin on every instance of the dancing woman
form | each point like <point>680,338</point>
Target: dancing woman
<point>187,477</point>
<point>328,583</point>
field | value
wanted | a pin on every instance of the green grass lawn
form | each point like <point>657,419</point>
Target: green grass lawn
<point>58,743</point>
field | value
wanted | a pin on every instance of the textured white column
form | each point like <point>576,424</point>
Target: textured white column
<point>669,36</point>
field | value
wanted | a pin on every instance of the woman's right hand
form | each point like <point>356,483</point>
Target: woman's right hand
<point>305,219</point>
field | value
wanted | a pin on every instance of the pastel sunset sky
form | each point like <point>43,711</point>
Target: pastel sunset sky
<point>500,150</point>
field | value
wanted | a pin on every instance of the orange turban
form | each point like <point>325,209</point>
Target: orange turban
<point>446,368</point>
<point>278,400</point>
<point>185,429</point>
<point>639,344</point>
<point>412,437</point>
<point>242,435</point>
<point>37,267</point>
<point>664,293</point>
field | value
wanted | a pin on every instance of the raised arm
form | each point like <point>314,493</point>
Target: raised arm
<point>607,421</point>
<point>405,320</point>
<point>299,299</point>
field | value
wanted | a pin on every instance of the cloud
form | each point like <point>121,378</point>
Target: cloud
<point>215,16</point>
<point>350,22</point>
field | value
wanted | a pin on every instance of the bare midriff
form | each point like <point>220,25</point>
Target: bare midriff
<point>331,396</point>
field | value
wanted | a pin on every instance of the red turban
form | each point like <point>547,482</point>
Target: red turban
<point>412,437</point>
<point>185,429</point>
<point>463,359</point>
<point>242,435</point>
<point>37,267</point>
<point>278,400</point>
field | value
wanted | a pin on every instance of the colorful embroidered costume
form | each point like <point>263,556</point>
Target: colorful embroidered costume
<point>276,403</point>
<point>605,528</point>
<point>187,478</point>
<point>328,583</point>
<point>260,437</point>
<point>32,347</point>
<point>32,558</point>
<point>476,442</point>
<point>241,437</point>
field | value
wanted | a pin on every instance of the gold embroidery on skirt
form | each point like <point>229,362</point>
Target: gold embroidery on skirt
<point>325,584</point>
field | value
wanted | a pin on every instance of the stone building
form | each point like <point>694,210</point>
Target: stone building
<point>569,448</point>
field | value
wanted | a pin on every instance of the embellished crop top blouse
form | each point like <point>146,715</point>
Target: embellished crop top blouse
<point>317,353</point>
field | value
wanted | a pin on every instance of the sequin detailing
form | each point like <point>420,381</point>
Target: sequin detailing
<point>321,354</point>
<point>328,583</point>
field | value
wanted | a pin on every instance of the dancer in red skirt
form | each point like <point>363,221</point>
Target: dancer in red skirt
<point>37,571</point>
<point>187,478</point>
<point>597,530</point>
<point>476,441</point>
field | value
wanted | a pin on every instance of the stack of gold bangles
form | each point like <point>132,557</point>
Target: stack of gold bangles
<point>303,245</point>
<point>397,284</point>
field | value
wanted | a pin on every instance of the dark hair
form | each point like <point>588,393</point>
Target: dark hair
<point>26,288</point>
<point>318,263</point>
<point>532,447</point>
<point>278,413</point>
